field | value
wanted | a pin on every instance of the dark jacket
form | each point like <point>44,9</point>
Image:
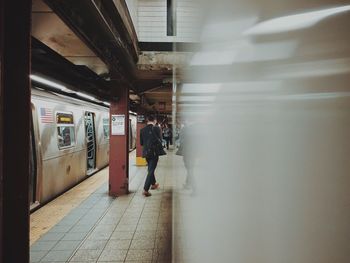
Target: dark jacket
<point>167,132</point>
<point>148,137</point>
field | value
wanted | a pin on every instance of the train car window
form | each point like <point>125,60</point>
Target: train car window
<point>65,130</point>
<point>106,128</point>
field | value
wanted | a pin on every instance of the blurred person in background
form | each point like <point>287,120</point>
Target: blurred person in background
<point>167,135</point>
<point>187,149</point>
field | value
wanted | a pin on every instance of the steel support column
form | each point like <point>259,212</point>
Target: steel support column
<point>14,130</point>
<point>119,145</point>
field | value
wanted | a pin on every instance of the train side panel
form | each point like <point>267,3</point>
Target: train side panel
<point>62,141</point>
<point>63,167</point>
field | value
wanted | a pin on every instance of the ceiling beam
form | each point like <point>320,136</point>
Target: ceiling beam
<point>101,26</point>
<point>49,63</point>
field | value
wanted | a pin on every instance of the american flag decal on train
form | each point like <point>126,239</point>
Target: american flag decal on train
<point>46,115</point>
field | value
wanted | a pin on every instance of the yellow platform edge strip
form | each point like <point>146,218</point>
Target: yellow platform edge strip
<point>141,161</point>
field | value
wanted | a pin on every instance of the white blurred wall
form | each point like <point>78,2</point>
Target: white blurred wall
<point>270,144</point>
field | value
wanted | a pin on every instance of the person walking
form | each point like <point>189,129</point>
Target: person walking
<point>149,137</point>
<point>187,149</point>
<point>167,135</point>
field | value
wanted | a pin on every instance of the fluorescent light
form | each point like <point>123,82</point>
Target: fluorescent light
<point>48,82</point>
<point>316,68</point>
<point>201,88</point>
<point>315,96</point>
<point>190,99</point>
<point>83,95</point>
<point>227,31</point>
<point>68,90</point>
<point>51,83</point>
<point>106,103</point>
<point>294,22</point>
<point>251,52</point>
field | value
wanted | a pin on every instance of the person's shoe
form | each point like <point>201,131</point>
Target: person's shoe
<point>146,193</point>
<point>155,186</point>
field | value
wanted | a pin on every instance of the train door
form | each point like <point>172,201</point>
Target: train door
<point>90,141</point>
<point>130,135</point>
<point>32,166</point>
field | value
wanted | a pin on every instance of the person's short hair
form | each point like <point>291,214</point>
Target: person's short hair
<point>150,118</point>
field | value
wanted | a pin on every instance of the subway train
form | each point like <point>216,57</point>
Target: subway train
<point>69,142</point>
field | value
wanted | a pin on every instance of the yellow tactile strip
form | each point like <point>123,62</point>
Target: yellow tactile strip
<point>48,216</point>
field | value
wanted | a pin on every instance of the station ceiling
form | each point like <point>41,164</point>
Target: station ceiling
<point>48,28</point>
<point>100,67</point>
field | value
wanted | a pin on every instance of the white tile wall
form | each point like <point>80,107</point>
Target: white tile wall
<point>152,18</point>
<point>133,6</point>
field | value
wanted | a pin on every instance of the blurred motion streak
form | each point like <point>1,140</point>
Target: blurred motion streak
<point>294,22</point>
<point>263,122</point>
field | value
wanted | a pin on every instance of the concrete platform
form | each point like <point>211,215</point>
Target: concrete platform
<point>98,228</point>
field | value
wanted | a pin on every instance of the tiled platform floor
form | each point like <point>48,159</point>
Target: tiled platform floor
<point>45,218</point>
<point>130,228</point>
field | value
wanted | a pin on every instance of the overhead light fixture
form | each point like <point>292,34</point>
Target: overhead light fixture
<point>294,22</point>
<point>83,95</point>
<point>50,83</point>
<point>189,99</point>
<point>106,103</point>
<point>199,88</point>
<point>217,57</point>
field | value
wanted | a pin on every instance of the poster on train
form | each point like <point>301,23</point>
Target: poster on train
<point>118,124</point>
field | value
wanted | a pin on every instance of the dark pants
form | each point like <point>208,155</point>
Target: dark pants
<point>167,139</point>
<point>150,179</point>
